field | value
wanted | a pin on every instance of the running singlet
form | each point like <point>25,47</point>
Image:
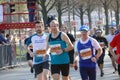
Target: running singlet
<point>85,52</point>
<point>56,44</point>
<point>39,47</point>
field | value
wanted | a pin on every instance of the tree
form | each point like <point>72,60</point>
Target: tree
<point>80,10</point>
<point>116,7</point>
<point>106,4</point>
<point>61,7</point>
<point>90,6</point>
<point>46,6</point>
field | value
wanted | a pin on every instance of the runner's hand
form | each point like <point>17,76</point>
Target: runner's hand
<point>46,56</point>
<point>93,59</point>
<point>31,53</point>
<point>75,65</point>
<point>59,52</point>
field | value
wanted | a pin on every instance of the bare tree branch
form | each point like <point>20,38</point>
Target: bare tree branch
<point>77,14</point>
<point>51,6</point>
<point>78,11</point>
<point>48,3</point>
<point>102,1</point>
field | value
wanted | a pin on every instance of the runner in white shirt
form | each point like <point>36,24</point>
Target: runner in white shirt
<point>109,39</point>
<point>40,56</point>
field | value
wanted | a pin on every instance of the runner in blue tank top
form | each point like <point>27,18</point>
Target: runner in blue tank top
<point>85,49</point>
<point>59,44</point>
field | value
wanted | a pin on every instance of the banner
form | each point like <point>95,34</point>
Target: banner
<point>4,26</point>
<point>1,13</point>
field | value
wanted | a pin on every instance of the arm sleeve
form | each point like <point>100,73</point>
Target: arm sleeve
<point>28,41</point>
<point>95,44</point>
<point>75,48</point>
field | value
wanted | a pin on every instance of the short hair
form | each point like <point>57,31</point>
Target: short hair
<point>37,22</point>
<point>54,21</point>
<point>7,35</point>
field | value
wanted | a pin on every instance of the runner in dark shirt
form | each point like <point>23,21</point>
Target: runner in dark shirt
<point>72,39</point>
<point>103,43</point>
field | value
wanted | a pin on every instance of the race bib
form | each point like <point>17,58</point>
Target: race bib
<point>86,53</point>
<point>40,52</point>
<point>55,48</point>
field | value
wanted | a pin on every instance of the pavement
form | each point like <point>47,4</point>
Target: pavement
<point>22,72</point>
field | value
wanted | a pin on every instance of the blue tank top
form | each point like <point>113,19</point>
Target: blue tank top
<point>62,58</point>
<point>85,52</point>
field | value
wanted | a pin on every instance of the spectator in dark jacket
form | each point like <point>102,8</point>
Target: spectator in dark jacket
<point>2,37</point>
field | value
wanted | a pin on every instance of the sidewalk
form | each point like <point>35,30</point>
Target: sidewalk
<point>23,73</point>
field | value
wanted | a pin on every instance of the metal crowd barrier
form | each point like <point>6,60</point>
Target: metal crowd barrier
<point>6,55</point>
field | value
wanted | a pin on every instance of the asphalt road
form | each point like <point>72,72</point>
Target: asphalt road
<point>23,72</point>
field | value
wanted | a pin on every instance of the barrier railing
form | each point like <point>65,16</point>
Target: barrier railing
<point>8,56</point>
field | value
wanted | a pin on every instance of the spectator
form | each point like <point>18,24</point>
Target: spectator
<point>8,36</point>
<point>2,37</point>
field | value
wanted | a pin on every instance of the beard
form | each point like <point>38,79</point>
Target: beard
<point>39,31</point>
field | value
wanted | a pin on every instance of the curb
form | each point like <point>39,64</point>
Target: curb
<point>13,66</point>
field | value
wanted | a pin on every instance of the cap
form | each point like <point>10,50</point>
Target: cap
<point>98,30</point>
<point>113,27</point>
<point>84,28</point>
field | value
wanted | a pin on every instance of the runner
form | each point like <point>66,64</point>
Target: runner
<point>72,39</point>
<point>39,54</point>
<point>47,30</point>
<point>85,49</point>
<point>118,29</point>
<point>104,44</point>
<point>29,58</point>
<point>109,39</point>
<point>116,43</point>
<point>60,45</point>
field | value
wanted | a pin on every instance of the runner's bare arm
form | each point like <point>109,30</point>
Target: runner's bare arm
<point>47,45</point>
<point>67,40</point>
<point>28,50</point>
<point>112,52</point>
<point>99,52</point>
<point>76,56</point>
